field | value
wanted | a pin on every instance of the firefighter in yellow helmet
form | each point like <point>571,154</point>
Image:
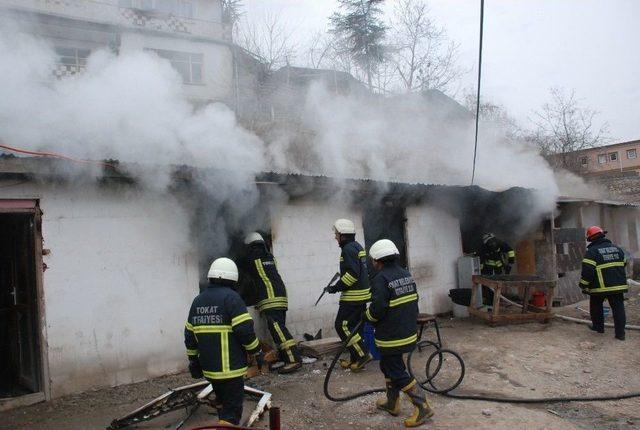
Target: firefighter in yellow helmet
<point>394,312</point>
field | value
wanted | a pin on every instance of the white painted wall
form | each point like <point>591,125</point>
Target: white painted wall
<point>308,256</point>
<point>217,63</point>
<point>121,276</point>
<point>206,23</point>
<point>434,244</point>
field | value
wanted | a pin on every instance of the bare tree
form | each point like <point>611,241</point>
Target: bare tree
<point>269,39</point>
<point>424,57</point>
<point>563,127</point>
<point>495,114</point>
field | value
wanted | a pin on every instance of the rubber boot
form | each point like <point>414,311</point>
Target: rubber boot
<point>422,411</point>
<point>358,365</point>
<point>345,364</point>
<point>290,368</point>
<point>390,403</point>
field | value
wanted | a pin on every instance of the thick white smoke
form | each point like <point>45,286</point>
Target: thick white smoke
<point>129,107</point>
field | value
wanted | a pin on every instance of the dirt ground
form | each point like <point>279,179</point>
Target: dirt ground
<point>530,360</point>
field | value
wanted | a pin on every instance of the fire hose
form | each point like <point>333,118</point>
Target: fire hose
<point>447,392</point>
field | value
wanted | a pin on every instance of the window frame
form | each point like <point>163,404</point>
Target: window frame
<point>632,151</point>
<point>190,59</point>
<point>79,61</point>
<point>603,158</point>
<point>613,156</point>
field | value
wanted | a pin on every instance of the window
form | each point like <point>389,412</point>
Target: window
<point>613,156</point>
<point>184,8</point>
<point>602,158</point>
<point>71,60</point>
<point>584,161</point>
<point>189,65</point>
<point>631,154</point>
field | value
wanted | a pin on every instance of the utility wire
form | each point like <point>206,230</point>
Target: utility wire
<point>475,146</point>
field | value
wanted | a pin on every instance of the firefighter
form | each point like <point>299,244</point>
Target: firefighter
<point>218,335</point>
<point>496,256</point>
<point>394,311</point>
<point>272,300</point>
<point>355,293</point>
<point>604,277</point>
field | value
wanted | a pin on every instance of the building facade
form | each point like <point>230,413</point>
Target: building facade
<point>190,34</point>
<point>603,160</point>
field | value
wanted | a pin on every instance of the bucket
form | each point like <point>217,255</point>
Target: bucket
<point>369,340</point>
<point>539,300</point>
<point>461,296</point>
<point>606,311</point>
<point>460,311</point>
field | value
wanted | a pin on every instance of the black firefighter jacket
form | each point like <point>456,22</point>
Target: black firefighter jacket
<point>603,269</point>
<point>219,331</point>
<point>272,294</point>
<point>492,256</point>
<point>354,278</point>
<point>394,310</point>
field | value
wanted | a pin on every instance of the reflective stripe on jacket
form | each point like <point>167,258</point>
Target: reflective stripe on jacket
<point>354,278</point>
<point>394,310</point>
<point>219,331</point>
<point>603,269</point>
<point>272,293</point>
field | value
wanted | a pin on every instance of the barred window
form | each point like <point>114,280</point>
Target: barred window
<point>70,60</point>
<point>189,65</point>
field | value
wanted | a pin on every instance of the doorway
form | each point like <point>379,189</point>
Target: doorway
<point>20,358</point>
<point>385,222</point>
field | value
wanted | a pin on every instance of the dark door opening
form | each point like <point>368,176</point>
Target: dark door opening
<point>385,222</point>
<point>19,340</point>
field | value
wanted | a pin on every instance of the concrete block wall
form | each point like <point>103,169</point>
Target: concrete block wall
<point>121,277</point>
<point>308,256</point>
<point>434,244</point>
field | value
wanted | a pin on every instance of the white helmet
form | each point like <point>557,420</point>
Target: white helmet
<point>344,226</point>
<point>383,248</point>
<point>487,237</point>
<point>223,268</point>
<point>253,237</point>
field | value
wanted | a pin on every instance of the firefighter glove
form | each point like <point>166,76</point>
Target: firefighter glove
<point>507,269</point>
<point>195,369</point>
<point>331,289</point>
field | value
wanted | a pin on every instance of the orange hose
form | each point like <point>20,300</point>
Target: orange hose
<point>55,155</point>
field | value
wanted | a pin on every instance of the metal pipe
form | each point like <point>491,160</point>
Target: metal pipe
<point>274,419</point>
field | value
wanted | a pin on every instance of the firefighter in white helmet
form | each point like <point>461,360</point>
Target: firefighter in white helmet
<point>218,335</point>
<point>355,293</point>
<point>394,312</point>
<point>272,300</point>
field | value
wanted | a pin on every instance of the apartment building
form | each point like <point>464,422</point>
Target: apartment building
<point>618,157</point>
<point>190,34</point>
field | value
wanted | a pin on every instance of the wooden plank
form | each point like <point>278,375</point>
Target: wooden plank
<point>319,348</point>
<point>26,400</point>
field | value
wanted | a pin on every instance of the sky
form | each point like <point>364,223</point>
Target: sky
<point>590,46</point>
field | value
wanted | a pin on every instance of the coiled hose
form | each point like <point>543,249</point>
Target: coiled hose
<point>459,396</point>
